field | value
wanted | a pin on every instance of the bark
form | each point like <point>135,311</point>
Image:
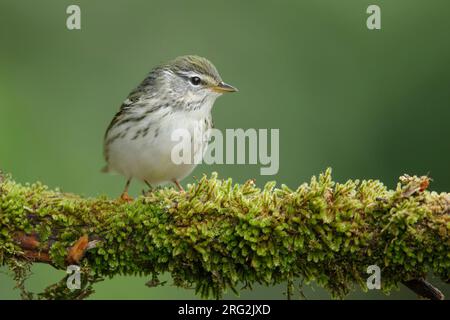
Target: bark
<point>218,235</point>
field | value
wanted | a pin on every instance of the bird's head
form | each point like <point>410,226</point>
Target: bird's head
<point>192,78</point>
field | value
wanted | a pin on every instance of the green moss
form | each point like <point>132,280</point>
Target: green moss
<point>217,235</point>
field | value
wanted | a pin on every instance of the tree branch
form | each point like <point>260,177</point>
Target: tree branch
<point>216,235</point>
<point>424,289</point>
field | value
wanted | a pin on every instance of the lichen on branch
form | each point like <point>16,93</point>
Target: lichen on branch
<point>218,235</point>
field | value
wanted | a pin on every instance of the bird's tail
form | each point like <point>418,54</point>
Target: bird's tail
<point>105,169</point>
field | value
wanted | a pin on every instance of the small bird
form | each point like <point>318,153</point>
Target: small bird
<point>177,95</point>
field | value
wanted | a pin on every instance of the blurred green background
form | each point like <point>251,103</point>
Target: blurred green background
<point>370,104</point>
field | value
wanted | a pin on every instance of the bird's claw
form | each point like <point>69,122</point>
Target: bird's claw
<point>126,197</point>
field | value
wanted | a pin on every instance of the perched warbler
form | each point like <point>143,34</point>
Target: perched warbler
<point>177,95</point>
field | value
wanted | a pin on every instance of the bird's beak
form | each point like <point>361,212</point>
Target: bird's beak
<point>223,87</point>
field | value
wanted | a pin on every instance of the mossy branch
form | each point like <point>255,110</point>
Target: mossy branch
<point>218,235</point>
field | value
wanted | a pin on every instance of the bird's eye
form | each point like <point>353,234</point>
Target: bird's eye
<point>195,80</point>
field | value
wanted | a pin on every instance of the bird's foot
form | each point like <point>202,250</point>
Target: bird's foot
<point>149,190</point>
<point>126,197</point>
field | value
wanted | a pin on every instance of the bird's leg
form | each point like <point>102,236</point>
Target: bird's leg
<point>177,183</point>
<point>125,196</point>
<point>150,188</point>
<point>148,184</point>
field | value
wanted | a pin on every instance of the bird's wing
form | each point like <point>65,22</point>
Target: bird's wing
<point>139,97</point>
<point>145,91</point>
